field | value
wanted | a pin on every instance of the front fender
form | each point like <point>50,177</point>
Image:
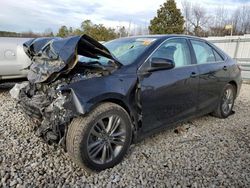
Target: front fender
<point>86,94</point>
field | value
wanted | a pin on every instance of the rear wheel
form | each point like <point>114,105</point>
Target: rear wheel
<point>100,139</point>
<point>226,103</point>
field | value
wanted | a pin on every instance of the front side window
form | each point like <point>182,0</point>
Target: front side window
<point>203,52</point>
<point>176,50</point>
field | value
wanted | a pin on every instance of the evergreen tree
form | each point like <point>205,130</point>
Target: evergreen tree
<point>168,20</point>
<point>63,31</point>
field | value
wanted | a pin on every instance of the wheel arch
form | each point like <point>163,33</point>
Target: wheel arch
<point>117,101</point>
<point>233,83</point>
<point>131,112</point>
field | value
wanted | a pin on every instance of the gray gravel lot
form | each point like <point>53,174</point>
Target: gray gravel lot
<point>205,152</point>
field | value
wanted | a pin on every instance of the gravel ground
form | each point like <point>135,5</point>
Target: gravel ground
<point>205,152</point>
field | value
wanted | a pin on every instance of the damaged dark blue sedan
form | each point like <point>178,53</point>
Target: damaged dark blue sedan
<point>95,100</point>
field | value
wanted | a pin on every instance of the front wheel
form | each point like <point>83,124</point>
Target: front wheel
<point>101,139</point>
<point>226,103</point>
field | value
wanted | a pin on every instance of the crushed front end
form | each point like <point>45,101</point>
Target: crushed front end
<point>55,65</point>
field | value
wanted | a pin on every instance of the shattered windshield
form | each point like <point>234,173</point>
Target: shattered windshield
<point>126,50</point>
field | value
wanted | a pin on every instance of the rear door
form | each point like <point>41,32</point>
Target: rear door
<point>213,74</point>
<point>168,96</point>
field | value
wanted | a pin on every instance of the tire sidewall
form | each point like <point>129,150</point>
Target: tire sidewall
<point>224,115</point>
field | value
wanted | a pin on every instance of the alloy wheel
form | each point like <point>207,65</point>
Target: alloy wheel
<point>106,139</point>
<point>227,101</point>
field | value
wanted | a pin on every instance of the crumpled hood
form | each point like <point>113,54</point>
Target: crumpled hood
<point>54,56</point>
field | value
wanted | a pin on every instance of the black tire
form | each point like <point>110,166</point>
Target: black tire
<point>80,134</point>
<point>219,112</point>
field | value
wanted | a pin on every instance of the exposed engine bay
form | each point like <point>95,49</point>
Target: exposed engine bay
<point>56,64</point>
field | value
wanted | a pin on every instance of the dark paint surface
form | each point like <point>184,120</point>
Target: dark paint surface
<point>166,96</point>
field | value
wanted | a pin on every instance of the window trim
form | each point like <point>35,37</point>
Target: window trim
<point>215,56</point>
<point>222,57</point>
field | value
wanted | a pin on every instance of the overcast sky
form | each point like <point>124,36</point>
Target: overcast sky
<point>25,15</point>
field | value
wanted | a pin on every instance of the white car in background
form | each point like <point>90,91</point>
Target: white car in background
<point>13,59</point>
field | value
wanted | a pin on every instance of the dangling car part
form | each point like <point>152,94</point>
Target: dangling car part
<point>54,56</point>
<point>96,99</point>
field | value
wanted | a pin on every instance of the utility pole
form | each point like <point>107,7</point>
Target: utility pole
<point>129,28</point>
<point>232,29</point>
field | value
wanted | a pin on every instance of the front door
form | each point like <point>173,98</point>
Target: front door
<point>168,96</point>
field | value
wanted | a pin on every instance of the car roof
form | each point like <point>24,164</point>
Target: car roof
<point>163,36</point>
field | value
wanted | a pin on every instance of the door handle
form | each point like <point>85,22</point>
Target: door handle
<point>225,68</point>
<point>193,75</point>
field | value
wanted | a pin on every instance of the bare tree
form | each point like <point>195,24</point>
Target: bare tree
<point>219,21</point>
<point>221,17</point>
<point>199,19</point>
<point>241,20</point>
<point>235,20</point>
<point>200,23</point>
<point>245,19</point>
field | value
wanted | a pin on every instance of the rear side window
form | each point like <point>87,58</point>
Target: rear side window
<point>203,52</point>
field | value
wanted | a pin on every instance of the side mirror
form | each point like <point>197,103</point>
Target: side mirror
<point>160,64</point>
